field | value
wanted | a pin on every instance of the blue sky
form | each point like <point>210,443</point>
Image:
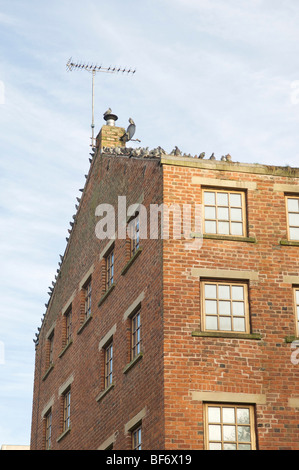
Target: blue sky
<point>212,75</point>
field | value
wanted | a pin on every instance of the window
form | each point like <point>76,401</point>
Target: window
<point>136,438</point>
<point>135,334</point>
<point>133,319</point>
<point>67,334</point>
<point>108,364</point>
<point>296,295</point>
<point>293,217</point>
<point>87,305</point>
<point>64,393</point>
<point>85,299</point>
<point>224,212</point>
<point>68,326</point>
<point>50,349</point>
<point>49,353</point>
<point>225,306</point>
<point>66,410</point>
<point>135,235</point>
<point>48,430</point>
<point>229,427</point>
<point>109,269</point>
<point>134,427</point>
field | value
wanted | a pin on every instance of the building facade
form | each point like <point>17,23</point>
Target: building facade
<point>173,335</point>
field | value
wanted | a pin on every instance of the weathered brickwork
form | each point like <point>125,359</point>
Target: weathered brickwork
<point>183,366</point>
<point>92,420</point>
<point>110,137</point>
<point>257,365</point>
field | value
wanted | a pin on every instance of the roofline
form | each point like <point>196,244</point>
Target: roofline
<point>254,168</point>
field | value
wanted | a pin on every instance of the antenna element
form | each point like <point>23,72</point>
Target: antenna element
<point>93,69</point>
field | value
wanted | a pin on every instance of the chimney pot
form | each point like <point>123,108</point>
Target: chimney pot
<point>110,119</point>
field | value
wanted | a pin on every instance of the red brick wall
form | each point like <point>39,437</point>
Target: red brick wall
<point>222,364</point>
<point>176,361</point>
<point>92,422</point>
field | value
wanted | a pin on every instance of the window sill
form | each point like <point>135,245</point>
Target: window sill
<point>291,339</point>
<point>84,324</point>
<point>51,367</point>
<point>289,242</point>
<point>104,392</point>
<point>104,297</point>
<point>65,348</point>
<point>63,434</point>
<point>131,261</point>
<point>133,362</point>
<point>224,334</point>
<point>232,238</point>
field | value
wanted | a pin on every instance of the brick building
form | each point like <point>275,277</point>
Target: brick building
<point>186,341</point>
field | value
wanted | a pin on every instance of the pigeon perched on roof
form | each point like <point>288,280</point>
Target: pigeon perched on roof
<point>130,131</point>
<point>176,151</point>
<point>109,111</point>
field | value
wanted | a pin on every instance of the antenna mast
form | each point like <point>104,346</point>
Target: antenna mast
<point>93,69</point>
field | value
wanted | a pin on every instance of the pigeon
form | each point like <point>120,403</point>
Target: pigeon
<point>162,151</point>
<point>154,153</point>
<point>130,131</point>
<point>109,111</point>
<point>176,151</point>
<point>145,152</point>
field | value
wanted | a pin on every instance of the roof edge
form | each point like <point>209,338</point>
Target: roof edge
<point>256,168</point>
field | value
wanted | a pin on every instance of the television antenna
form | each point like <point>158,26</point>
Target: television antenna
<point>93,69</point>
